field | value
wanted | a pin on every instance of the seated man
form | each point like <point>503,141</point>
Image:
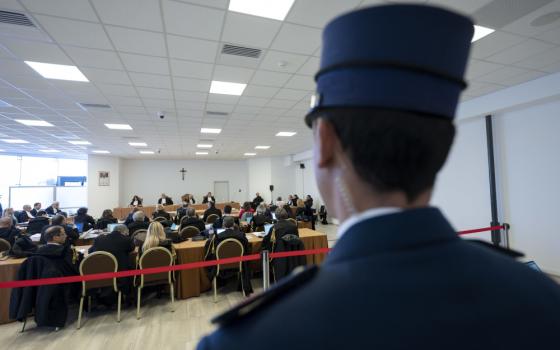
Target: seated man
<point>260,219</point>
<point>181,211</point>
<point>129,219</point>
<point>231,231</point>
<point>257,200</point>
<point>193,220</point>
<point>53,209</point>
<point>165,200</point>
<point>208,198</point>
<point>160,212</point>
<point>25,215</point>
<point>36,225</point>
<point>58,220</point>
<point>117,243</point>
<point>59,252</point>
<point>83,217</point>
<point>36,208</point>
<point>7,230</point>
<point>211,210</point>
<point>282,227</point>
<point>138,222</point>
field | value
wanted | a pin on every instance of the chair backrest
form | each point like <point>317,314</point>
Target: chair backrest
<point>292,221</point>
<point>4,245</point>
<point>139,236</point>
<point>229,248</point>
<point>212,218</point>
<point>182,223</point>
<point>155,257</point>
<point>98,262</point>
<point>160,219</point>
<point>188,232</point>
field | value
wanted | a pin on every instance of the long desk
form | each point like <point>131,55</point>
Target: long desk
<point>190,283</point>
<point>122,213</point>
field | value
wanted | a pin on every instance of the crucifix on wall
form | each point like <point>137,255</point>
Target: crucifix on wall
<point>183,172</point>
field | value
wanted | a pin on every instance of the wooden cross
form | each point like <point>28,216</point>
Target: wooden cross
<point>183,171</point>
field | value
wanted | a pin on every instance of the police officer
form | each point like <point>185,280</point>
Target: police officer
<point>399,277</point>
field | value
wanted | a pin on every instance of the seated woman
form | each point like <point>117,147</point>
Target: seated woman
<point>156,238</point>
<point>246,209</point>
<point>136,201</point>
<point>105,219</point>
<point>260,219</point>
<point>83,217</point>
<point>308,201</point>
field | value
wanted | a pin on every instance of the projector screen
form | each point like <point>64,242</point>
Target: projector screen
<point>21,195</point>
<point>72,196</point>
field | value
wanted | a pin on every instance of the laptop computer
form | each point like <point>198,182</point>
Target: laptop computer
<point>80,227</point>
<point>220,230</point>
<point>248,219</point>
<point>111,227</point>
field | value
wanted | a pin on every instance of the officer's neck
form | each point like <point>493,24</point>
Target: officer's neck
<point>360,196</point>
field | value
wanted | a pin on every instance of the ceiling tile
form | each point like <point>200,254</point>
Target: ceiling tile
<point>118,90</point>
<point>494,43</point>
<point>232,74</point>
<point>477,68</point>
<point>137,41</point>
<point>541,60</point>
<point>145,64</point>
<point>291,94</point>
<point>317,13</point>
<point>297,39</point>
<point>248,30</point>
<point>146,92</point>
<point>466,7</point>
<point>151,80</point>
<point>35,51</point>
<point>260,91</point>
<point>282,62</point>
<point>191,69</point>
<point>552,36</point>
<point>83,34</point>
<point>93,58</point>
<point>192,49</point>
<point>498,76</point>
<point>75,9</point>
<point>106,76</point>
<point>193,21</point>
<point>191,84</point>
<point>146,13</point>
<point>270,78</point>
<point>302,82</point>
<point>521,51</point>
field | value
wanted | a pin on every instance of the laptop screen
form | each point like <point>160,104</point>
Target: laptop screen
<point>111,227</point>
<point>267,228</point>
<point>248,219</point>
<point>220,230</point>
<point>80,227</point>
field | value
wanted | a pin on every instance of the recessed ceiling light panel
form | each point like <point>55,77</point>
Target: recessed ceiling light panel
<point>227,88</point>
<point>204,145</point>
<point>33,122</point>
<point>480,32</point>
<point>100,151</point>
<point>119,126</point>
<point>210,131</point>
<point>80,142</point>
<point>146,152</point>
<point>249,154</point>
<point>49,150</point>
<point>201,153</point>
<point>138,144</point>
<point>14,141</point>
<point>262,147</point>
<point>57,71</point>
<point>286,133</point>
<point>273,9</point>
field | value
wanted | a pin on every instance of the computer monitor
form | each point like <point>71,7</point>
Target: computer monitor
<point>111,227</point>
<point>267,228</point>
<point>80,227</point>
<point>248,219</point>
<point>533,265</point>
<point>220,230</point>
<point>174,227</point>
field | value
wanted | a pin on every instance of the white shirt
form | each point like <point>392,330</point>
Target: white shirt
<point>365,215</point>
<point>164,201</point>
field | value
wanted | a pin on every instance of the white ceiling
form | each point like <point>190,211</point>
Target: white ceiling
<point>145,56</point>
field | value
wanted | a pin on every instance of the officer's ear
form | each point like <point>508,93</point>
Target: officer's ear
<point>326,142</point>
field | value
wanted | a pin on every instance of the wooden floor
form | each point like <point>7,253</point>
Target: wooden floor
<point>158,328</point>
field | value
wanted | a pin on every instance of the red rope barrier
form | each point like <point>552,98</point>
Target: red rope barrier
<point>188,266</point>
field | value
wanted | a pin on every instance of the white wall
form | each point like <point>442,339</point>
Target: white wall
<point>150,178</point>
<point>462,189</point>
<point>259,172</point>
<point>528,142</point>
<point>103,197</point>
<point>283,177</point>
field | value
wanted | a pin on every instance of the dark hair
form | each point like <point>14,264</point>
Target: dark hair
<point>227,209</point>
<point>41,213</point>
<point>82,211</point>
<point>228,222</point>
<point>107,214</point>
<point>212,204</point>
<point>281,214</point>
<point>52,232</point>
<point>246,206</point>
<point>37,203</point>
<point>393,150</point>
<point>57,219</point>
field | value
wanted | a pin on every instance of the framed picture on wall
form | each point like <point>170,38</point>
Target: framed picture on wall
<point>103,177</point>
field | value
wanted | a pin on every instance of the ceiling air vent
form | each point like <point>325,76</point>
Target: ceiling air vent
<point>216,113</point>
<point>94,105</point>
<point>15,18</point>
<point>241,51</point>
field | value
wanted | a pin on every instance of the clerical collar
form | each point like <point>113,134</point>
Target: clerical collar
<point>365,215</point>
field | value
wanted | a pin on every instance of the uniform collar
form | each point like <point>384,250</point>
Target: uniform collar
<point>398,231</point>
<point>365,215</point>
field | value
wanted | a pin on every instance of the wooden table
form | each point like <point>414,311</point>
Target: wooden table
<point>192,283</point>
<point>122,213</point>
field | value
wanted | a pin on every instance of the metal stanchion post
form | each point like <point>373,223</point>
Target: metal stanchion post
<point>505,235</point>
<point>266,270</point>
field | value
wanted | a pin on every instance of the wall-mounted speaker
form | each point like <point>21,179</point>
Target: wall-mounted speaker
<point>301,166</point>
<point>271,188</point>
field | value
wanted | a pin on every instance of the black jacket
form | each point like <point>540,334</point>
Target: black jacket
<point>181,212</point>
<point>211,211</point>
<point>87,220</point>
<point>49,303</point>
<point>139,202</point>
<point>415,285</point>
<point>103,222</point>
<point>129,220</point>
<point>194,221</point>
<point>61,257</point>
<point>205,199</point>
<point>52,211</point>
<point>282,267</point>
<point>281,228</point>
<point>260,220</point>
<point>256,201</point>
<point>161,213</point>
<point>118,245</point>
<point>36,225</point>
<point>34,211</point>
<point>9,234</point>
<point>23,217</point>
<point>71,234</point>
<point>137,225</point>
<point>168,201</point>
<point>210,254</point>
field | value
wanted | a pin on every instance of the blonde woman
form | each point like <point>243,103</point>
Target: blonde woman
<point>156,238</point>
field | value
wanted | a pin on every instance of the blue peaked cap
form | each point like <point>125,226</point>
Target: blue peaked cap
<point>402,57</point>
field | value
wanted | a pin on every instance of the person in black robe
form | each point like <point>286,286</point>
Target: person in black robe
<point>83,217</point>
<point>7,230</point>
<point>105,219</point>
<point>36,224</point>
<point>58,220</point>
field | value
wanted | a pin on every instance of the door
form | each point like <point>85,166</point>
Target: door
<point>221,191</point>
